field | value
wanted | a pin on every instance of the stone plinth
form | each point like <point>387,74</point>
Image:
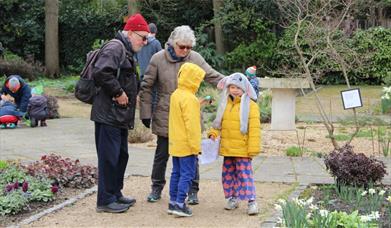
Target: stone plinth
<point>283,100</point>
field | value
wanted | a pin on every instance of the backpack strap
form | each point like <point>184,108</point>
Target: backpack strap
<point>123,60</point>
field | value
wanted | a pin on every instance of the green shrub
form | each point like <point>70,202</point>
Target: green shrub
<point>12,202</point>
<point>294,151</point>
<point>3,164</point>
<point>265,106</point>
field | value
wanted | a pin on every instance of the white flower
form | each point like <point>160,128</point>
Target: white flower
<point>281,201</point>
<point>365,218</point>
<point>364,193</point>
<point>308,215</point>
<point>382,192</point>
<point>389,199</point>
<point>375,215</point>
<point>277,207</point>
<point>313,207</point>
<point>309,200</point>
<point>323,213</point>
<point>372,191</point>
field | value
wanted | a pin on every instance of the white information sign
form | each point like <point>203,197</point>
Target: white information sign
<point>351,98</point>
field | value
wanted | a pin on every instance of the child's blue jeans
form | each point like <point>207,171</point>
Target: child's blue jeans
<point>183,172</point>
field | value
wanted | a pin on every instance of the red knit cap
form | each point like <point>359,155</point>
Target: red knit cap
<point>136,23</point>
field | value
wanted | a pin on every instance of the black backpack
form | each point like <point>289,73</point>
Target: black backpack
<point>85,89</point>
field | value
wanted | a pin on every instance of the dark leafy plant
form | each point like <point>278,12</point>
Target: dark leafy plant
<point>64,171</point>
<point>354,169</point>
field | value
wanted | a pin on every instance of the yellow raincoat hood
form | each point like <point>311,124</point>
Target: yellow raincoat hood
<point>190,77</point>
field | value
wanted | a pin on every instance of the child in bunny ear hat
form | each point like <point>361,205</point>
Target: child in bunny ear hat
<point>237,123</point>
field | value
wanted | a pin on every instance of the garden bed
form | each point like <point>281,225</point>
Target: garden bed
<point>331,206</point>
<point>37,207</point>
<point>27,189</point>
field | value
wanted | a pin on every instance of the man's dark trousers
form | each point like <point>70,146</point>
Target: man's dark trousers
<point>160,165</point>
<point>112,148</point>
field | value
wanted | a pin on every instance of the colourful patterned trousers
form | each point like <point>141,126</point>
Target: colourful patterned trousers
<point>238,178</point>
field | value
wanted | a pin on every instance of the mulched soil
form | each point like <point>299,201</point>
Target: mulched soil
<point>333,202</point>
<point>37,207</point>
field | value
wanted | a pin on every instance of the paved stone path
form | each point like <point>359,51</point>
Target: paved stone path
<point>74,138</point>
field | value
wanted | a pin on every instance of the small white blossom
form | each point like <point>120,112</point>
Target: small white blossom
<point>277,207</point>
<point>372,191</point>
<point>364,193</point>
<point>323,213</point>
<point>365,218</point>
<point>308,215</point>
<point>313,207</point>
<point>389,199</point>
<point>281,201</point>
<point>375,215</point>
<point>309,200</point>
<point>382,192</point>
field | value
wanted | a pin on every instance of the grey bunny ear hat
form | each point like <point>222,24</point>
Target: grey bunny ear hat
<point>241,81</point>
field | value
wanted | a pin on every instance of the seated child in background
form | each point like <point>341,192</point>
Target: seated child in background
<point>184,136</point>
<point>9,116</point>
<point>251,74</point>
<point>37,108</point>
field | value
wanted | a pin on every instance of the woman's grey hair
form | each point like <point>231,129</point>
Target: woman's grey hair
<point>125,33</point>
<point>182,34</point>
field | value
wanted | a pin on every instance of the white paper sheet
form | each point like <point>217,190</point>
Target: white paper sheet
<point>210,151</point>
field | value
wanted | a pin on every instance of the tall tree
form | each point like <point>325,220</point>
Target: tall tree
<point>51,38</point>
<point>219,37</point>
<point>133,7</point>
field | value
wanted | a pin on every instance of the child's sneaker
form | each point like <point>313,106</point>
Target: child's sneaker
<point>2,126</point>
<point>182,211</point>
<point>232,203</point>
<point>171,208</point>
<point>154,196</point>
<point>11,125</point>
<point>252,208</point>
<point>192,199</point>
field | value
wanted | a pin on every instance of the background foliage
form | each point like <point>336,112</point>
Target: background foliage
<point>251,33</point>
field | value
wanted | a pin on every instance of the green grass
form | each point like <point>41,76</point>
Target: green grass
<point>3,164</point>
<point>65,83</point>
<point>294,151</point>
<point>330,97</point>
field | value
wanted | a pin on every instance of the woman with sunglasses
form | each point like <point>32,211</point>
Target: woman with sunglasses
<point>162,71</point>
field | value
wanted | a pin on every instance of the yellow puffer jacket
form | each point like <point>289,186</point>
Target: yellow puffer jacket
<point>233,142</point>
<point>184,125</point>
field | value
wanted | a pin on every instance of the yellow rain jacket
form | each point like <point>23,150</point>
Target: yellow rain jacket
<point>184,125</point>
<point>233,143</point>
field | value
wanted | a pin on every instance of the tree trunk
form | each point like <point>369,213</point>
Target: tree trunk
<point>132,7</point>
<point>52,62</point>
<point>219,37</point>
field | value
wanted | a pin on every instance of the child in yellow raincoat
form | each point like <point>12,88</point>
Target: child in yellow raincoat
<point>184,136</point>
<point>237,122</point>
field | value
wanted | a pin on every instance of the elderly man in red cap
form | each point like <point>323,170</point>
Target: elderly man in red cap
<point>113,111</point>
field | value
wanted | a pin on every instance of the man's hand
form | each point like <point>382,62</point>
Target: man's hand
<point>146,122</point>
<point>123,99</point>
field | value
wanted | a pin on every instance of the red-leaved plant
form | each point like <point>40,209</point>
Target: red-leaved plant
<point>64,171</point>
<point>354,169</point>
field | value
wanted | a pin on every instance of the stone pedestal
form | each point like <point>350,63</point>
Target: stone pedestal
<point>283,100</point>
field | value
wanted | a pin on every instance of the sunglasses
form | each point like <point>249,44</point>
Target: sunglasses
<point>184,46</point>
<point>142,37</point>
